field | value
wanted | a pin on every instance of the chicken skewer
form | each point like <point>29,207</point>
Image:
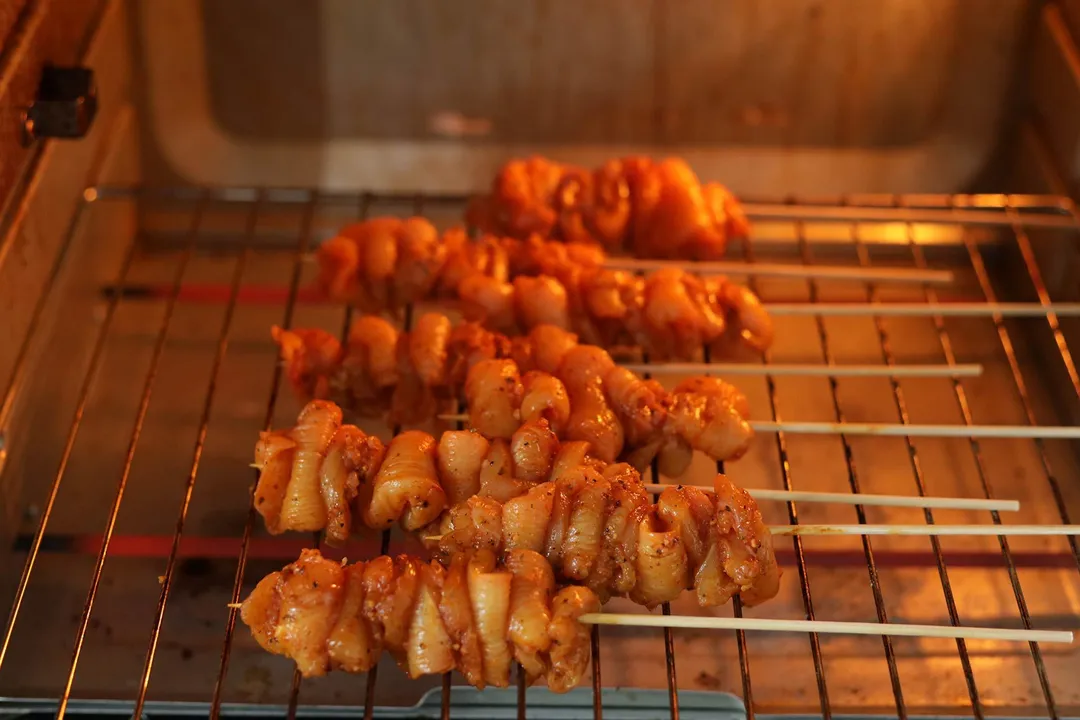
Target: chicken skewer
<point>594,521</point>
<point>506,382</point>
<point>476,616</point>
<point>653,209</point>
<point>513,285</point>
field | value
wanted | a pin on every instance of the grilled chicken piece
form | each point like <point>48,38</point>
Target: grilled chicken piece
<point>592,420</point>
<point>710,416</point>
<point>477,616</point>
<point>651,208</point>
<point>407,486</point>
<point>494,390</point>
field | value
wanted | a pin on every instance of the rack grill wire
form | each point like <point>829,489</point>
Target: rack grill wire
<point>237,241</point>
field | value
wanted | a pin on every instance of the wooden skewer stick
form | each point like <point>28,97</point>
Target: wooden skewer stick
<point>1055,432</point>
<point>926,530</point>
<point>904,430</point>
<point>788,270</point>
<point>944,309</point>
<point>912,501</point>
<point>908,530</point>
<point>707,622</point>
<point>877,370</point>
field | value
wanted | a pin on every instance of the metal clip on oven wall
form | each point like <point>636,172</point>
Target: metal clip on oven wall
<point>65,105</point>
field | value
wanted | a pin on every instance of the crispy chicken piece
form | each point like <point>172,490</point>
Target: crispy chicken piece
<point>746,316</point>
<point>310,357</point>
<point>680,223</point>
<point>651,208</point>
<point>370,367</point>
<point>494,390</point>
<point>583,370</point>
<point>678,315</point>
<point>428,348</point>
<point>461,455</point>
<point>488,300</point>
<point>593,521</point>
<point>476,617</point>
<point>710,416</point>
<point>407,486</point>
<point>274,458</point>
<point>303,507</point>
<point>550,345</point>
<point>526,192</point>
<point>533,447</point>
<point>421,257</point>
<point>540,300</point>
<point>497,479</point>
<point>544,398</point>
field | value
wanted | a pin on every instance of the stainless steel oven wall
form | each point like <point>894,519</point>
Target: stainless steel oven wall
<point>790,96</point>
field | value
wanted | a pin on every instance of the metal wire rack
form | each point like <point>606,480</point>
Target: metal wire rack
<point>183,322</point>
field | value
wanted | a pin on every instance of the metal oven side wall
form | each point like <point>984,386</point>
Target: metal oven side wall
<point>42,188</point>
<point>1046,159</point>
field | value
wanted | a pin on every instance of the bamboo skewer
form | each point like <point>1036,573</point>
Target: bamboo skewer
<point>831,627</point>
<point>904,430</point>
<point>708,622</point>
<point>788,270</point>
<point>860,530</point>
<point>810,370</point>
<point>943,309</point>
<point>928,530</point>
<point>1047,432</point>
<point>868,500</point>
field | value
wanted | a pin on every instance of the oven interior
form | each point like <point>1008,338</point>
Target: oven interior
<point>144,264</point>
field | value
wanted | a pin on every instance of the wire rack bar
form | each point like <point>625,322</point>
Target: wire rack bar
<point>793,516</point>
<point>853,483</point>
<point>920,484</point>
<point>1042,211</point>
<point>200,442</point>
<point>1021,385</point>
<point>1034,274</point>
<point>962,403</point>
<point>133,443</point>
<point>304,238</point>
<point>665,608</point>
<point>65,456</point>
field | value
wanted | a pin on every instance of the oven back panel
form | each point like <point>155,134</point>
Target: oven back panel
<point>792,96</point>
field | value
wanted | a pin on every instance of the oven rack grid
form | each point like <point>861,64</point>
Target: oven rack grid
<point>1013,215</point>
